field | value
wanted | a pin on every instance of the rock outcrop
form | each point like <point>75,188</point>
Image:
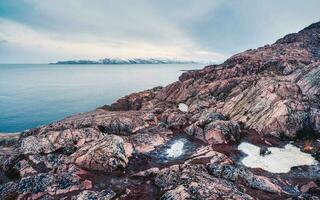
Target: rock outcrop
<point>194,182</point>
<point>244,176</point>
<point>272,91</point>
<point>106,155</point>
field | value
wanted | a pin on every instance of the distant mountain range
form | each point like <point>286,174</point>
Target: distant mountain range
<point>108,61</point>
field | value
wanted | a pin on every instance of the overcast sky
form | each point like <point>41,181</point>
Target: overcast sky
<point>41,31</point>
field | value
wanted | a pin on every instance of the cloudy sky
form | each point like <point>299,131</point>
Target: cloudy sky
<point>41,31</point>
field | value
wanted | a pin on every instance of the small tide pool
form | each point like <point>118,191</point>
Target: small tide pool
<point>178,148</point>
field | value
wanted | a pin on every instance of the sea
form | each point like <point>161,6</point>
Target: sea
<point>32,95</point>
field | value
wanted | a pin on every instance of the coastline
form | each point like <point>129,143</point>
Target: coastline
<point>185,136</point>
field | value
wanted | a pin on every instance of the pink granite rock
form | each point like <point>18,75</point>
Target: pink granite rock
<point>107,154</point>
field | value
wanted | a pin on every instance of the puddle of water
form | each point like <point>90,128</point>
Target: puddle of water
<point>178,148</point>
<point>183,107</point>
<point>279,161</point>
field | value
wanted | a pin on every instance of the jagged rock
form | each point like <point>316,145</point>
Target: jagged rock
<point>271,106</point>
<point>8,168</point>
<point>55,140</point>
<point>41,184</point>
<point>179,193</point>
<point>101,121</point>
<point>135,101</point>
<point>93,195</point>
<point>9,190</point>
<point>194,182</point>
<point>213,128</point>
<point>214,131</point>
<point>107,154</point>
<point>273,89</point>
<point>244,176</point>
<point>24,169</point>
<point>207,153</point>
<point>175,119</point>
<point>146,142</point>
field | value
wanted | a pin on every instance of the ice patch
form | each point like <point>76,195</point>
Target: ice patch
<point>183,107</point>
<point>279,161</point>
<point>176,149</point>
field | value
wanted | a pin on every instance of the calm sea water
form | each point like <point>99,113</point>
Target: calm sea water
<point>33,95</point>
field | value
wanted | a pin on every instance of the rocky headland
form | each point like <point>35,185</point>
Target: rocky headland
<point>180,141</point>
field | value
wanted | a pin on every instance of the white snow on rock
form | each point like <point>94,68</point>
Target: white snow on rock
<point>183,107</point>
<point>176,149</point>
<point>279,161</point>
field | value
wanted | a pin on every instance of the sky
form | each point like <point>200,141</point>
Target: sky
<point>42,31</point>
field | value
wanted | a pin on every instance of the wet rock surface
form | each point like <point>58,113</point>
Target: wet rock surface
<point>180,141</point>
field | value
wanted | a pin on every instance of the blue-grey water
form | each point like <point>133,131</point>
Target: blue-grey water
<point>33,95</point>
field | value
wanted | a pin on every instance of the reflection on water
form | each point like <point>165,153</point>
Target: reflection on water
<point>176,149</point>
<point>33,95</point>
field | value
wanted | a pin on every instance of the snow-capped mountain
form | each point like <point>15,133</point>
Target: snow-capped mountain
<point>107,61</point>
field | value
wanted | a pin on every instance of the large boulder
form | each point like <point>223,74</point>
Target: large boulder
<point>107,154</point>
<point>213,128</point>
<point>44,143</point>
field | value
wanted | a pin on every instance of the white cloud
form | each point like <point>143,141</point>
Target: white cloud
<point>46,30</point>
<point>29,44</point>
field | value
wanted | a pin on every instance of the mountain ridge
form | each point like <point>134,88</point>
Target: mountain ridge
<point>107,61</point>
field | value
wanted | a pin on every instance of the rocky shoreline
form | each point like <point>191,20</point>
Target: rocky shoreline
<point>180,141</point>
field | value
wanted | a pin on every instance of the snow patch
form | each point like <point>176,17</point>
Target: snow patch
<point>279,161</point>
<point>176,149</point>
<point>183,107</point>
